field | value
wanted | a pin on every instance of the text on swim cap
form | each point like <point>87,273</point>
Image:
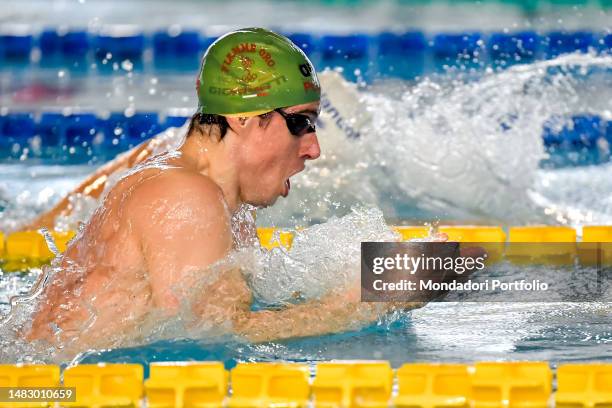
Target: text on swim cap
<point>244,48</point>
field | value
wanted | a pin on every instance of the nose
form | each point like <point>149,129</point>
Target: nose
<point>310,148</point>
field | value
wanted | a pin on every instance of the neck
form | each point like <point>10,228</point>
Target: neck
<point>212,158</point>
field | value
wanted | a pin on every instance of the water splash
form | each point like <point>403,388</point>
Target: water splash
<point>312,269</point>
<point>28,190</point>
<point>449,149</point>
<point>322,258</point>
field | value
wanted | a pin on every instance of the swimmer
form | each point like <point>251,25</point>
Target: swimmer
<point>171,216</point>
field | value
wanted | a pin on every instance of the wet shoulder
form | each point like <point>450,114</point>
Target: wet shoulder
<point>173,188</point>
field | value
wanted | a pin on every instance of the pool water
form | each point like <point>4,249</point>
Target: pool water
<point>439,332</point>
<point>449,162</point>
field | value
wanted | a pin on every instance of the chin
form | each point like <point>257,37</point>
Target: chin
<point>263,203</point>
<point>271,202</point>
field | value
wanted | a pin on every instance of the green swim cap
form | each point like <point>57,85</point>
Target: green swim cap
<point>253,71</point>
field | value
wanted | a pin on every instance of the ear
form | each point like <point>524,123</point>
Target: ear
<point>237,122</point>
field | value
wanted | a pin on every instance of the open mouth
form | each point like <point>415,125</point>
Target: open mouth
<point>287,188</point>
<point>287,185</point>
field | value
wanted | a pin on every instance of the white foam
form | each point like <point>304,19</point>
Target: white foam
<point>322,257</point>
<point>436,150</point>
<point>449,150</point>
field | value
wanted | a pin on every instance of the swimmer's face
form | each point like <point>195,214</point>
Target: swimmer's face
<point>270,155</point>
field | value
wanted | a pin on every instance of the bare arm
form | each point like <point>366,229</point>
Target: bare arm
<point>338,311</point>
<point>183,227</point>
<point>332,314</point>
<point>94,185</point>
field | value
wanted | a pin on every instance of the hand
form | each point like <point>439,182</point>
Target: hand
<point>439,237</point>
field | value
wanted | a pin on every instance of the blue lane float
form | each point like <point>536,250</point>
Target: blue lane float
<point>81,129</point>
<point>450,46</point>
<point>605,44</point>
<point>557,43</point>
<point>579,139</point>
<point>67,44</point>
<point>174,121</point>
<point>119,47</point>
<point>516,47</point>
<point>16,47</point>
<point>401,55</point>
<point>577,131</point>
<point>123,131</point>
<point>175,48</point>
<point>348,47</point>
<point>576,140</point>
<point>16,127</point>
<point>51,128</point>
<point>305,41</point>
<point>168,44</point>
<point>408,43</point>
<point>354,50</point>
<point>351,52</point>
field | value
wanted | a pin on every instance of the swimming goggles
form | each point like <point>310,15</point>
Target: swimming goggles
<point>298,124</point>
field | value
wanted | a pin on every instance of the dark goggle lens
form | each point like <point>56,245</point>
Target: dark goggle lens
<point>299,125</point>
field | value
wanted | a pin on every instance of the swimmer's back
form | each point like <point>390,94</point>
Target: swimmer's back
<point>149,216</point>
<point>133,252</point>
